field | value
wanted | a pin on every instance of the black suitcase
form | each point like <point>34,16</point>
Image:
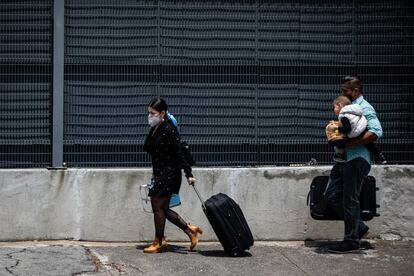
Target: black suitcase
<point>319,210</point>
<point>228,222</point>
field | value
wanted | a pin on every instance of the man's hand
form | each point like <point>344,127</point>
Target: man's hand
<point>191,181</point>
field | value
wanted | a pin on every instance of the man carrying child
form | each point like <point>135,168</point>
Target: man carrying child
<point>351,124</point>
<point>346,177</point>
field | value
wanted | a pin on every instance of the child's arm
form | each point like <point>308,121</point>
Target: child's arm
<point>345,126</point>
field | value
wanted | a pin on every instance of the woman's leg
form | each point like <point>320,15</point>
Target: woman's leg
<point>158,207</point>
<point>175,218</point>
<point>191,230</point>
<point>162,211</point>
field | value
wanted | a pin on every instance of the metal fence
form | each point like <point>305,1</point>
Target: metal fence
<point>25,83</point>
<point>250,82</point>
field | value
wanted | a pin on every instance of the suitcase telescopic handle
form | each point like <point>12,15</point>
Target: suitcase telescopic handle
<point>199,197</point>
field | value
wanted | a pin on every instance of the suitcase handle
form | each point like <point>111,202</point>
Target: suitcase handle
<point>199,197</point>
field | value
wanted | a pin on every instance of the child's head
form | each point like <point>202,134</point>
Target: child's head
<point>340,102</point>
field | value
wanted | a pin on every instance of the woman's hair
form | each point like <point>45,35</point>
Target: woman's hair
<point>342,100</point>
<point>158,104</point>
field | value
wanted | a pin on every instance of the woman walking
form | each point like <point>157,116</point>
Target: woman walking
<point>163,144</point>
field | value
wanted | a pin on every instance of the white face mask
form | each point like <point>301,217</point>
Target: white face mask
<point>154,120</point>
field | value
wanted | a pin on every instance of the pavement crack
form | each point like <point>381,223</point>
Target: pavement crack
<point>102,263</point>
<point>80,273</point>
<point>8,270</point>
<point>93,258</point>
<point>294,264</point>
<point>137,268</point>
<point>10,256</point>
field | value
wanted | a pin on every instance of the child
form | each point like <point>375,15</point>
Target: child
<point>351,124</point>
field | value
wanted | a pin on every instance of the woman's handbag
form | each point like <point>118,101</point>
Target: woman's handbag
<point>175,200</point>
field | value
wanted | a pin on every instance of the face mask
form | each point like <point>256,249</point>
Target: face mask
<point>154,120</point>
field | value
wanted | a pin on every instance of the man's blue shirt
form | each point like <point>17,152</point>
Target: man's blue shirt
<point>373,125</point>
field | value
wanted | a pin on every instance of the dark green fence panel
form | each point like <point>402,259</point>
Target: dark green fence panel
<point>25,83</point>
<point>250,82</point>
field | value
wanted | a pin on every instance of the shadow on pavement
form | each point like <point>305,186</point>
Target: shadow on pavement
<point>180,249</point>
<point>207,253</point>
<point>171,248</point>
<point>221,253</point>
<point>321,247</point>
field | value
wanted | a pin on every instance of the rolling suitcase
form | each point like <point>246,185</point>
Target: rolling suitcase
<point>228,222</point>
<point>319,209</point>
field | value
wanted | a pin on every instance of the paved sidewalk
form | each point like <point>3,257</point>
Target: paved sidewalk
<point>265,258</point>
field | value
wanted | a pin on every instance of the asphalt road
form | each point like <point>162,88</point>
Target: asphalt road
<point>265,258</point>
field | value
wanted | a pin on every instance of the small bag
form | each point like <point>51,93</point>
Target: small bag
<point>175,200</point>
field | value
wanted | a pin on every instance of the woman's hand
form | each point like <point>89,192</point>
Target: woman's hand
<point>191,181</point>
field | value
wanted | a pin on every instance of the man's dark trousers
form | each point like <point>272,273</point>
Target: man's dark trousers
<point>342,194</point>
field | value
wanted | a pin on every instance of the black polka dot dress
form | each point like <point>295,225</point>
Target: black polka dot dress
<point>168,160</point>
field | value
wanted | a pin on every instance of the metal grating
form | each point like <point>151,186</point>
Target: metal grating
<point>25,83</point>
<point>250,82</point>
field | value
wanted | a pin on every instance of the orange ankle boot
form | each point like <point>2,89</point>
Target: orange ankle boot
<point>192,232</point>
<point>156,247</point>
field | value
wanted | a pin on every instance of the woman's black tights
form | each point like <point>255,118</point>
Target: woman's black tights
<point>162,211</point>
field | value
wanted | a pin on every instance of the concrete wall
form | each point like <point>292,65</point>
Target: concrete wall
<point>105,204</point>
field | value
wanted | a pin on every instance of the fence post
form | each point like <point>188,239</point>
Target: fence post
<point>57,83</point>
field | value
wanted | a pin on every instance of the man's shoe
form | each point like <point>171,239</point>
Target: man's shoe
<point>363,233</point>
<point>344,247</point>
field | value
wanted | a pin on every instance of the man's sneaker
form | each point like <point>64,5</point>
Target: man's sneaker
<point>339,157</point>
<point>363,233</point>
<point>380,159</point>
<point>344,247</point>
